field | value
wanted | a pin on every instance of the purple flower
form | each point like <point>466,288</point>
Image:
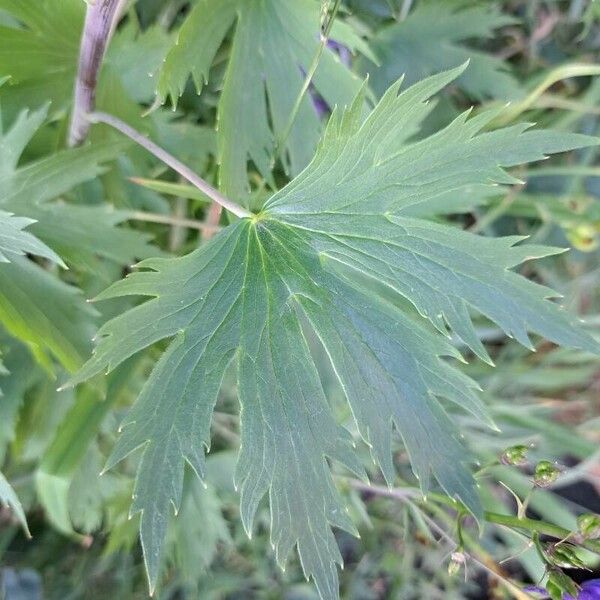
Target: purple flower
<point>536,591</point>
<point>590,590</point>
<point>344,53</point>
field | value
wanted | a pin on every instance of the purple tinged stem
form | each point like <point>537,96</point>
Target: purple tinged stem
<point>169,160</point>
<point>100,19</point>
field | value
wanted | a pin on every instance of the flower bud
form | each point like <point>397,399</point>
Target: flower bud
<point>545,473</point>
<point>565,556</point>
<point>584,237</point>
<point>588,525</point>
<point>560,584</point>
<point>515,455</point>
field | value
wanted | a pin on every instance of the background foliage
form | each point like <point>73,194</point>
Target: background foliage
<point>215,83</point>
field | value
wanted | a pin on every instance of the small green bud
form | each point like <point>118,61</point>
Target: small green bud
<point>588,525</point>
<point>565,556</point>
<point>584,237</point>
<point>515,455</point>
<point>545,473</point>
<point>559,584</point>
<point>554,591</point>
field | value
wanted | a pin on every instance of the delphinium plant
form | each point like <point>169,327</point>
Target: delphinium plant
<point>283,287</point>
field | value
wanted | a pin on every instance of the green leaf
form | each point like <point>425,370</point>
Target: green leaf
<point>34,304</point>
<point>72,444</point>
<point>274,42</point>
<point>41,53</point>
<point>10,499</point>
<point>49,177</point>
<point>433,38</point>
<point>13,240</point>
<point>307,261</point>
<point>80,234</point>
<point>191,541</point>
<point>45,313</point>
<point>172,189</point>
<point>18,376</point>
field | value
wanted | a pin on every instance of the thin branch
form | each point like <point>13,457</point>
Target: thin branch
<point>542,527</point>
<point>175,221</point>
<point>409,495</point>
<point>514,522</point>
<point>481,559</point>
<point>170,160</point>
<point>556,75</point>
<point>402,494</point>
<point>100,19</point>
<point>307,80</point>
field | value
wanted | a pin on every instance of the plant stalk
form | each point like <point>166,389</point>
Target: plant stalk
<point>514,522</point>
<point>312,69</point>
<point>170,160</point>
<point>100,20</point>
<point>513,111</point>
<point>540,527</point>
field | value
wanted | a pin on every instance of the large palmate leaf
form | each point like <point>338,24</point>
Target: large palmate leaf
<point>306,259</point>
<point>270,38</point>
<point>434,37</point>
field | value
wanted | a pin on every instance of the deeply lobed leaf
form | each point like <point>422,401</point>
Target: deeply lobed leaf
<point>439,35</point>
<point>13,240</point>
<point>9,498</point>
<point>306,260</point>
<point>274,42</point>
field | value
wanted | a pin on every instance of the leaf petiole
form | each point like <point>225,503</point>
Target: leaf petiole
<point>170,160</point>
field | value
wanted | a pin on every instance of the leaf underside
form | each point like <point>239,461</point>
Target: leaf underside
<point>305,261</point>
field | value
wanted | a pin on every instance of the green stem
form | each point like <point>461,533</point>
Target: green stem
<point>558,74</point>
<point>307,80</point>
<point>479,554</point>
<point>538,527</point>
<point>575,170</point>
<point>411,493</point>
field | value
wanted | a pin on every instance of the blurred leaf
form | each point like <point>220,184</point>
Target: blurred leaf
<point>434,37</point>
<point>10,499</point>
<point>45,313</point>
<point>172,189</point>
<point>13,240</point>
<point>71,445</point>
<point>273,45</point>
